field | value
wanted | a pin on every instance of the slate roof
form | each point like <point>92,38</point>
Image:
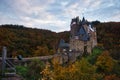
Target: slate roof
<point>85,36</point>
<point>81,31</point>
<point>62,44</point>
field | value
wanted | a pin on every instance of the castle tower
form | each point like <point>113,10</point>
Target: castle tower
<point>94,38</point>
<point>74,26</point>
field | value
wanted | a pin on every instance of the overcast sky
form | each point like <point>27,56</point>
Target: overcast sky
<point>56,15</point>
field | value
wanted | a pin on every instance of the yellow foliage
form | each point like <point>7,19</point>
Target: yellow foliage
<point>104,62</point>
<point>80,70</point>
<point>41,51</point>
<point>47,73</point>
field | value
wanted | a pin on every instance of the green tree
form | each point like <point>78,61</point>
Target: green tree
<point>34,69</point>
<point>22,71</point>
<point>94,55</point>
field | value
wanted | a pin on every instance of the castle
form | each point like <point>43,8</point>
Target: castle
<point>83,39</point>
<point>83,35</point>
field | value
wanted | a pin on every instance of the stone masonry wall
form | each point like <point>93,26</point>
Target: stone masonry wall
<point>77,45</point>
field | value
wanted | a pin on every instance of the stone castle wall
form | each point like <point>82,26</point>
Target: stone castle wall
<point>76,45</point>
<point>79,45</point>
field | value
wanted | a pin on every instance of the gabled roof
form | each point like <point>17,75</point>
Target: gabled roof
<point>85,36</point>
<point>81,31</point>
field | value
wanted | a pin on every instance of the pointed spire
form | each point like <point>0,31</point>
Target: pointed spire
<point>77,19</point>
<point>83,20</point>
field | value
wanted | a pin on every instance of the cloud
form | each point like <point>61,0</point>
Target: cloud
<point>48,23</point>
<point>56,14</point>
<point>115,16</point>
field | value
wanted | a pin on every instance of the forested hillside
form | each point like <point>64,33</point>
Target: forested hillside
<point>108,36</point>
<point>102,64</point>
<point>29,42</point>
<point>37,42</point>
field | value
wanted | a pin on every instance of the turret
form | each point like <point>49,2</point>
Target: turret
<point>74,26</point>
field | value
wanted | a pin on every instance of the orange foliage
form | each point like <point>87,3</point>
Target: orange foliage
<point>111,77</point>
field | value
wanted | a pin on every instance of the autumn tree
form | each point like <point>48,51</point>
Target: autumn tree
<point>111,77</point>
<point>86,71</point>
<point>80,70</point>
<point>41,51</point>
<point>105,63</point>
